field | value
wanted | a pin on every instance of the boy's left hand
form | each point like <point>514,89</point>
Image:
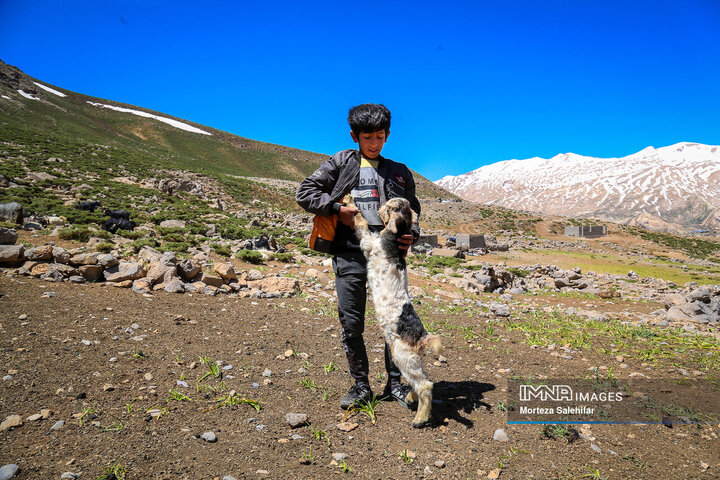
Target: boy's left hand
<point>404,243</point>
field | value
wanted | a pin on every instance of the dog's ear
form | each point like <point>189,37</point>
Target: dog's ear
<point>384,217</point>
<point>392,224</point>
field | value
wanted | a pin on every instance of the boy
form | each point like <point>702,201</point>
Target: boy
<point>372,180</point>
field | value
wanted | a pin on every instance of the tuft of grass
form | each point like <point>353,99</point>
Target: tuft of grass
<point>330,367</point>
<point>232,399</point>
<point>250,256</point>
<point>178,396</point>
<point>406,457</point>
<point>367,408</point>
<point>114,471</point>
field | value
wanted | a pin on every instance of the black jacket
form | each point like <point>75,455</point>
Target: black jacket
<point>320,192</point>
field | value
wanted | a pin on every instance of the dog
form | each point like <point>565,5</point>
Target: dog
<point>388,280</point>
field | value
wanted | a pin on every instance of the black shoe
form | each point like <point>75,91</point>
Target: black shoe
<point>396,392</point>
<point>357,394</point>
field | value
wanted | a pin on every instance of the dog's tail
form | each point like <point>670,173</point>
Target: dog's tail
<point>431,343</point>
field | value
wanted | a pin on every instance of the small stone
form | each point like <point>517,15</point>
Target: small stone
<point>440,464</point>
<point>87,343</point>
<point>23,316</point>
<point>148,376</point>
<point>494,474</point>
<point>262,472</point>
<point>45,413</point>
<point>267,372</point>
<point>595,448</point>
<point>108,387</point>
<point>11,421</point>
<point>500,435</point>
<point>704,465</point>
<point>346,426</point>
<point>339,457</point>
<point>228,477</point>
<point>209,437</point>
<point>8,471</point>
<point>58,425</point>
<point>296,420</point>
<point>69,476</point>
<point>428,470</point>
<point>7,378</point>
<point>288,353</point>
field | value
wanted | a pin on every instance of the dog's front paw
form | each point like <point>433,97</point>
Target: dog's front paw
<point>421,424</point>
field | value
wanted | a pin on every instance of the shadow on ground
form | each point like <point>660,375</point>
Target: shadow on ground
<point>457,400</point>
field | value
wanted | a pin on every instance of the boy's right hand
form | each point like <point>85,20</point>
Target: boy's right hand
<point>347,216</point>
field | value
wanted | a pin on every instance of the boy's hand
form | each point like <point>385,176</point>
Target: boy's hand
<point>347,216</point>
<point>404,243</point>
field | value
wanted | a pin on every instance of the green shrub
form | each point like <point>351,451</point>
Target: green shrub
<point>132,235</point>
<point>285,257</point>
<point>518,272</point>
<point>177,247</point>
<point>142,242</point>
<point>104,247</point>
<point>222,250</point>
<point>310,251</point>
<point>164,231</point>
<point>250,256</point>
<point>287,240</point>
<point>174,237</point>
<point>82,234</point>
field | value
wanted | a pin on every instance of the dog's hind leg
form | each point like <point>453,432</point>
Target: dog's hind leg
<point>410,365</point>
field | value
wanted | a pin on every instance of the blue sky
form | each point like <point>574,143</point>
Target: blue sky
<point>469,83</point>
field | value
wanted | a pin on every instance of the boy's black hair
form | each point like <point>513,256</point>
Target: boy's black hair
<point>369,118</point>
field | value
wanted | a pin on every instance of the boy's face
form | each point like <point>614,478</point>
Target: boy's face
<point>370,144</point>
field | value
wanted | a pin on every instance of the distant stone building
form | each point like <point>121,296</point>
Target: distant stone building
<point>470,241</point>
<point>587,231</point>
<point>431,240</point>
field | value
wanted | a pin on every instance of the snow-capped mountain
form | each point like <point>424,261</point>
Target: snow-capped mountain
<point>676,184</point>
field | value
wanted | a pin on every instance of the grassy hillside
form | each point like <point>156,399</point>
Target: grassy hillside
<point>56,125</point>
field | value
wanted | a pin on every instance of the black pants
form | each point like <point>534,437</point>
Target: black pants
<point>350,283</point>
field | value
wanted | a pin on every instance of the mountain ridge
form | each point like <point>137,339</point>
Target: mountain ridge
<point>678,184</point>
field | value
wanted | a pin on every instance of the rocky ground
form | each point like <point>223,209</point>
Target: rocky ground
<point>205,384</point>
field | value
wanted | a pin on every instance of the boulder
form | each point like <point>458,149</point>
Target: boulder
<point>225,270</point>
<point>447,252</point>
<point>149,254</point>
<point>141,285</point>
<point>42,253</point>
<point>60,255</point>
<point>91,273</point>
<point>701,294</point>
<point>188,270</point>
<point>175,285</point>
<point>275,285</point>
<point>172,224</point>
<point>11,212</point>
<point>84,259</point>
<point>8,236</point>
<point>159,271</point>
<point>213,280</point>
<point>124,271</point>
<point>11,254</point>
<point>107,260</point>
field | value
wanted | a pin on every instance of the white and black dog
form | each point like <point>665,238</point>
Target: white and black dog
<point>388,281</point>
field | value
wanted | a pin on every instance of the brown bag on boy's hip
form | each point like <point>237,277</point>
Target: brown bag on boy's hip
<point>323,232</point>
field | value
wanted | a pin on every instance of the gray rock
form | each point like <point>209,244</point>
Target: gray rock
<point>77,279</point>
<point>339,457</point>
<point>8,236</point>
<point>500,435</point>
<point>175,285</point>
<point>701,294</point>
<point>296,420</point>
<point>172,224</point>
<point>254,274</point>
<point>209,437</point>
<point>595,448</point>
<point>107,260</point>
<point>124,271</point>
<point>69,476</point>
<point>8,471</point>
<point>267,373</point>
<point>10,254</point>
<point>11,421</point>
<point>60,255</point>
<point>7,378</point>
<point>91,273</point>
<point>58,425</point>
<point>187,270</point>
<point>84,259</point>
<point>11,212</point>
<point>228,477</point>
<point>500,309</point>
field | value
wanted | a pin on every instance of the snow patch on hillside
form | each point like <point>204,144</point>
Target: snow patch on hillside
<point>27,95</point>
<point>169,121</point>
<point>51,90</point>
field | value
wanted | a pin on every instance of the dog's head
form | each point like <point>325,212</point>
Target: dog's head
<point>397,216</point>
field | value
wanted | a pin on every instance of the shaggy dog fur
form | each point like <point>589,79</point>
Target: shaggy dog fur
<point>388,281</point>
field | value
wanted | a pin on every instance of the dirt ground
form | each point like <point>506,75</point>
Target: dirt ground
<point>123,372</point>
